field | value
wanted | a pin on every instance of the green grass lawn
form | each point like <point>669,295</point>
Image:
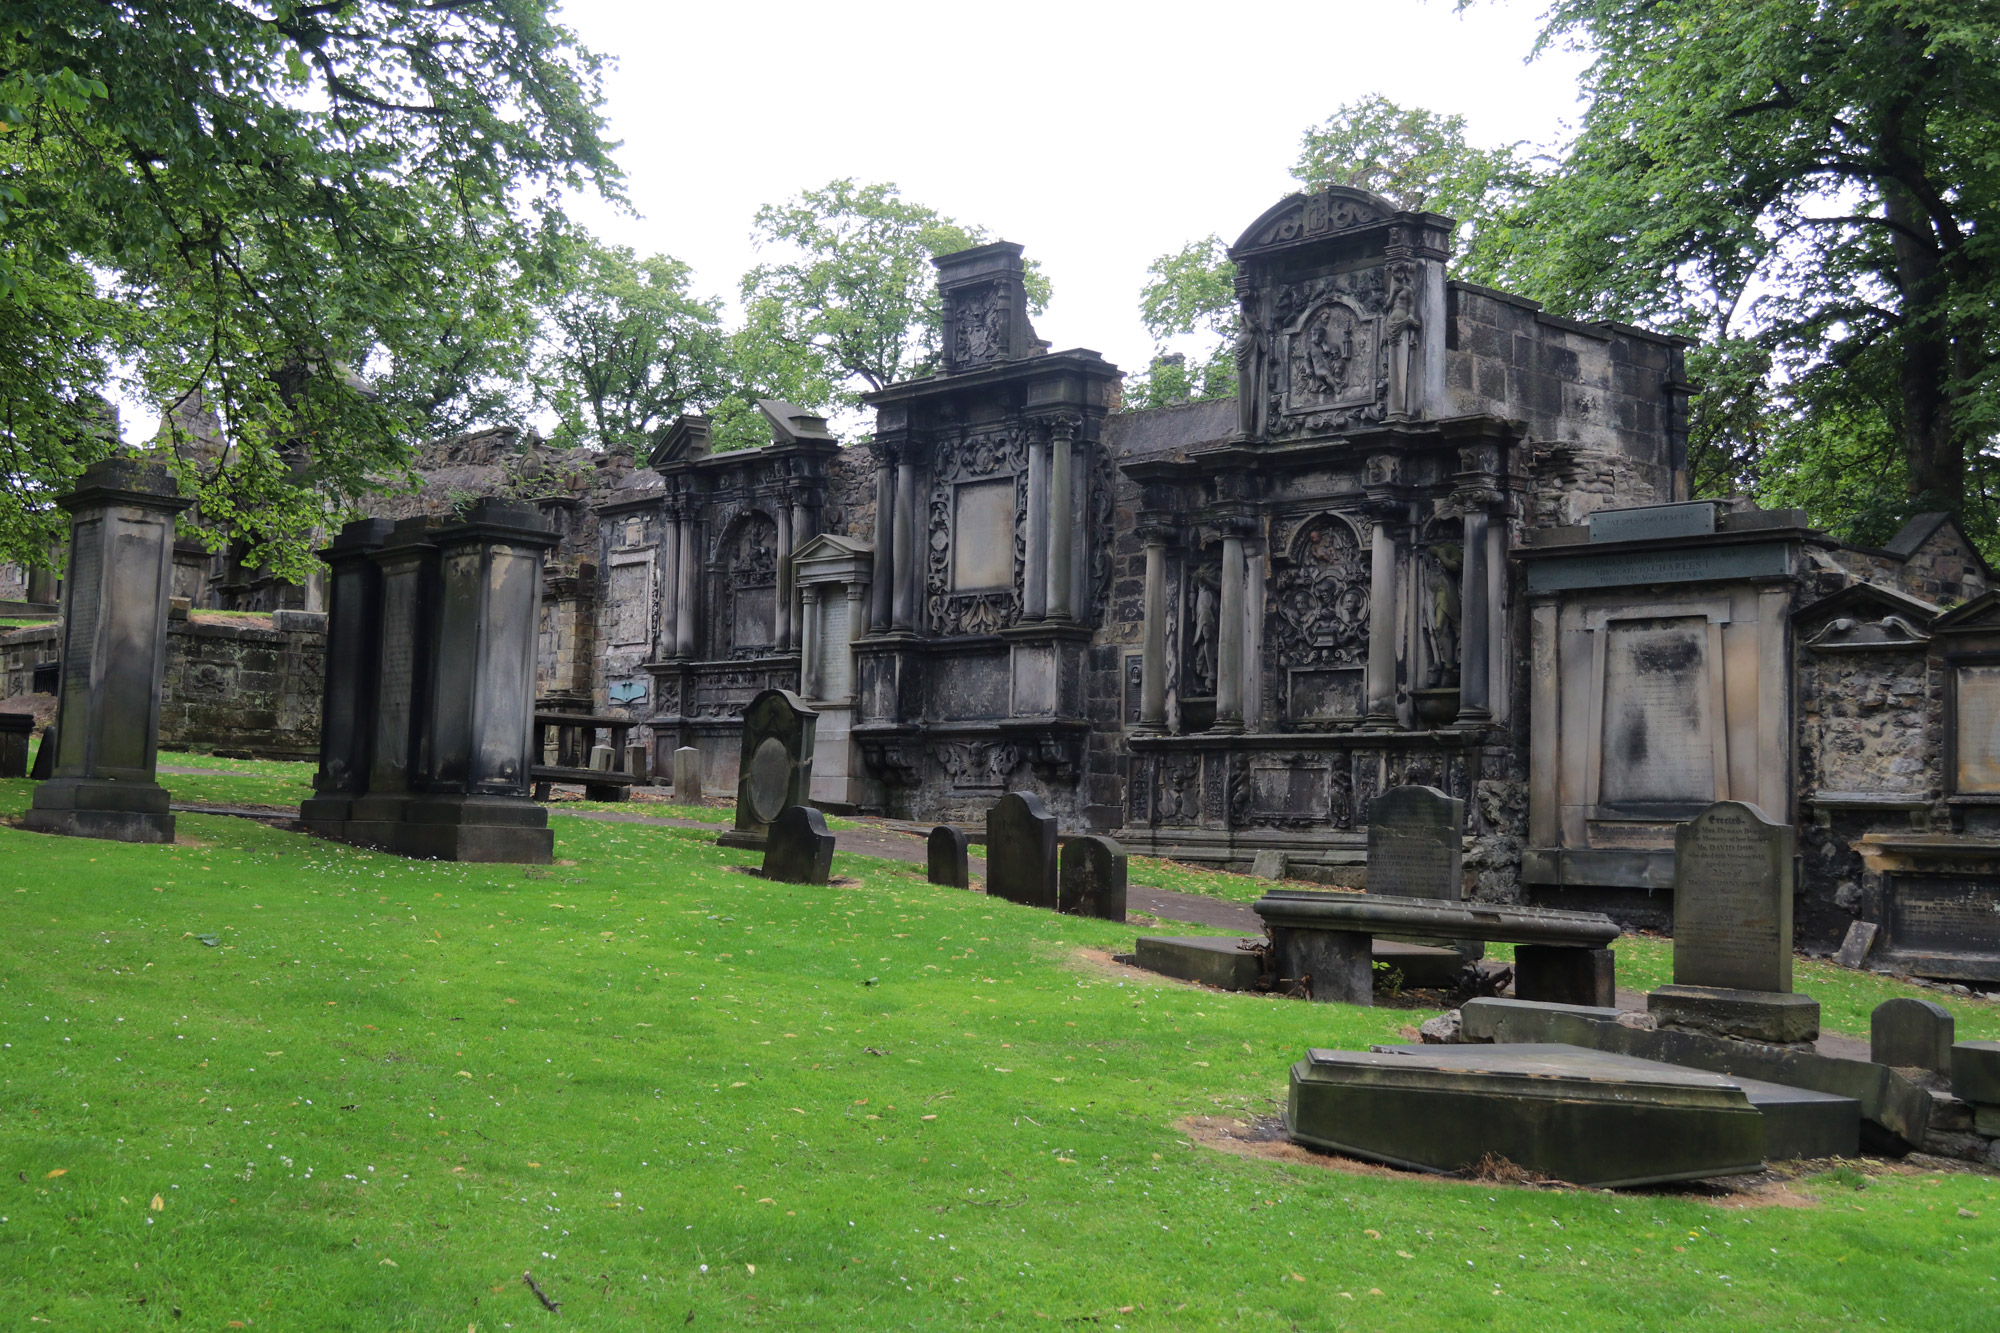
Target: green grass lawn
<point>258,1079</point>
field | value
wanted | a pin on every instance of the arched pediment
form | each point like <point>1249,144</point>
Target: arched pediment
<point>1301,217</point>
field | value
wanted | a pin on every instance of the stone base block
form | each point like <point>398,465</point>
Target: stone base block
<point>1975,1071</point>
<point>1751,1015</point>
<point>1213,960</point>
<point>742,838</point>
<point>1555,974</point>
<point>1425,966</point>
<point>1986,1120</point>
<point>1339,963</point>
<point>1562,1112</point>
<point>442,828</point>
<point>111,825</point>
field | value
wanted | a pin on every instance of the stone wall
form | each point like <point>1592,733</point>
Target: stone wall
<point>239,684</point>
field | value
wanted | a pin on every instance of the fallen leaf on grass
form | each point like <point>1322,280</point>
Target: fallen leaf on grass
<point>1372,1234</point>
<point>463,1073</point>
<point>389,1263</point>
<point>159,1205</point>
<point>1297,1278</point>
<point>59,1171</point>
<point>1404,1254</point>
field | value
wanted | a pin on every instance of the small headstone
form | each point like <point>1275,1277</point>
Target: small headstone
<point>687,775</point>
<point>947,860</point>
<point>16,729</point>
<point>1093,878</point>
<point>1021,851</point>
<point>799,850</point>
<point>1910,1033</point>
<point>639,763</point>
<point>1854,949</point>
<point>775,771</point>
<point>1733,900</point>
<point>600,758</point>
<point>1269,864</point>
<point>1415,844</point>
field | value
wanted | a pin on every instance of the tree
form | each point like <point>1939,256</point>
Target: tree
<point>1817,185</point>
<point>629,348</point>
<point>853,304</point>
<point>264,199</point>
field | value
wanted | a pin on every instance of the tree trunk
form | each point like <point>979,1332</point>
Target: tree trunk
<point>1932,446</point>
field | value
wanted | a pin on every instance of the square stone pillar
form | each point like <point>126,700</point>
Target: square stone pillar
<point>349,696</point>
<point>114,648</point>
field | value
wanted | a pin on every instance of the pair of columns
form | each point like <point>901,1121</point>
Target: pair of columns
<point>679,635</point>
<point>896,591</point>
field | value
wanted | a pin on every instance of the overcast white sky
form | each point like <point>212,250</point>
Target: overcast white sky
<point>1098,135</point>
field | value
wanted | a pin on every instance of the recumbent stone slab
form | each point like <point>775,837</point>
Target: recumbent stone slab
<point>1908,1033</point>
<point>946,858</point>
<point>1021,851</point>
<point>1092,880</point>
<point>1415,844</point>
<point>798,849</point>
<point>775,772</point>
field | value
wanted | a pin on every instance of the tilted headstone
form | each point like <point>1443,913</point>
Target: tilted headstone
<point>1021,851</point>
<point>1854,948</point>
<point>1909,1033</point>
<point>1416,844</point>
<point>1733,900</point>
<point>798,849</point>
<point>687,775</point>
<point>114,650</point>
<point>639,763</point>
<point>601,757</point>
<point>946,858</point>
<point>1093,878</point>
<point>776,768</point>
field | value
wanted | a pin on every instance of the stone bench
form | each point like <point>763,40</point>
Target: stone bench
<point>1560,957</point>
<point>599,784</point>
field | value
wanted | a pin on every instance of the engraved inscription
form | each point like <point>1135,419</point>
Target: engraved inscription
<point>1733,900</point>
<point>1978,699</point>
<point>1655,725</point>
<point>1940,914</point>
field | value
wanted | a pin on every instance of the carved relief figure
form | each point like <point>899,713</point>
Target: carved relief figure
<point>1329,359</point>
<point>1200,680</point>
<point>1252,356</point>
<point>1441,611</point>
<point>1400,333</point>
<point>1319,601</point>
<point>982,328</point>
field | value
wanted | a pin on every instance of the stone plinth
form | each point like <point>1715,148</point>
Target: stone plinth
<point>115,595</point>
<point>1752,1015</point>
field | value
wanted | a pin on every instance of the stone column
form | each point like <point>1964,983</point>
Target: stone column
<point>686,641</point>
<point>853,629</point>
<point>881,604</point>
<point>1382,622</point>
<point>1061,537</point>
<point>408,561</point>
<point>1229,637</point>
<point>348,697</point>
<point>114,655</point>
<point>906,572</point>
<point>781,632</point>
<point>1475,698</point>
<point>670,583</point>
<point>809,639</point>
<point>1153,659</point>
<point>1035,579</point>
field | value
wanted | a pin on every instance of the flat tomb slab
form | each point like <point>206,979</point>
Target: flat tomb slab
<point>1381,914</point>
<point>1798,1122</point>
<point>1562,1112</point>
<point>1226,961</point>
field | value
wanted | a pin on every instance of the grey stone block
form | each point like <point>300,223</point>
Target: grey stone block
<point>1223,961</point>
<point>1768,1016</point>
<point>1975,1071</point>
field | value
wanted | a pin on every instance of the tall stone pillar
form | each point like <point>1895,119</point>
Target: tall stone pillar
<point>809,641</point>
<point>782,631</point>
<point>1382,621</point>
<point>351,681</point>
<point>114,653</point>
<point>408,561</point>
<point>1035,578</point>
<point>881,610</point>
<point>1061,538</point>
<point>1153,657</point>
<point>906,571</point>
<point>670,584</point>
<point>1229,637</point>
<point>1475,696</point>
<point>688,582</point>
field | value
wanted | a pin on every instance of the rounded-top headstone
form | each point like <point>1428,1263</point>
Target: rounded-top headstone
<point>1093,878</point>
<point>1021,851</point>
<point>1416,844</point>
<point>1909,1033</point>
<point>800,850</point>
<point>947,861</point>
<point>1733,900</point>
<point>774,769</point>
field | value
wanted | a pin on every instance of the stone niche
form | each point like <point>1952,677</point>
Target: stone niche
<point>1661,683</point>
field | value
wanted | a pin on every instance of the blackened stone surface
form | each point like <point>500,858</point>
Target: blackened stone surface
<point>946,858</point>
<point>45,756</point>
<point>1093,878</point>
<point>1910,1033</point>
<point>776,768</point>
<point>1571,1114</point>
<point>1335,966</point>
<point>1415,847</point>
<point>1021,851</point>
<point>1751,1015</point>
<point>1975,1071</point>
<point>16,729</point>
<point>1562,975</point>
<point>1733,900</point>
<point>799,850</point>
<point>1854,948</point>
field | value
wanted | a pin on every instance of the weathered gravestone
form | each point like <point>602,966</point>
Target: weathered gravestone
<point>687,775</point>
<point>1908,1033</point>
<point>16,730</point>
<point>776,768</point>
<point>1415,844</point>
<point>798,849</point>
<point>1270,864</point>
<point>1021,851</point>
<point>1093,878</point>
<point>114,649</point>
<point>946,858</point>
<point>1733,930</point>
<point>1854,948</point>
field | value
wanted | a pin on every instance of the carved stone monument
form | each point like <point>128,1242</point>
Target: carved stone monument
<point>776,769</point>
<point>121,569</point>
<point>1021,851</point>
<point>1093,878</point>
<point>946,859</point>
<point>798,849</point>
<point>1733,930</point>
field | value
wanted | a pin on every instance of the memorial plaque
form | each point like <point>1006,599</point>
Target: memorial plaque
<point>1021,851</point>
<point>1695,519</point>
<point>982,537</point>
<point>1692,565</point>
<point>1976,702</point>
<point>1733,900</point>
<point>1415,844</point>
<point>1656,748</point>
<point>631,599</point>
<point>1943,914</point>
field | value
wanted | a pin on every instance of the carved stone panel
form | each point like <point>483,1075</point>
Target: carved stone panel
<point>1656,748</point>
<point>1319,599</point>
<point>978,495</point>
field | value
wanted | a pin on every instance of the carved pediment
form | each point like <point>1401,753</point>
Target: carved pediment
<point>1866,616</point>
<point>1303,217</point>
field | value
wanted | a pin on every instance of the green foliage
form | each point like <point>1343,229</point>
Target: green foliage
<point>852,305</point>
<point>270,200</point>
<point>628,348</point>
